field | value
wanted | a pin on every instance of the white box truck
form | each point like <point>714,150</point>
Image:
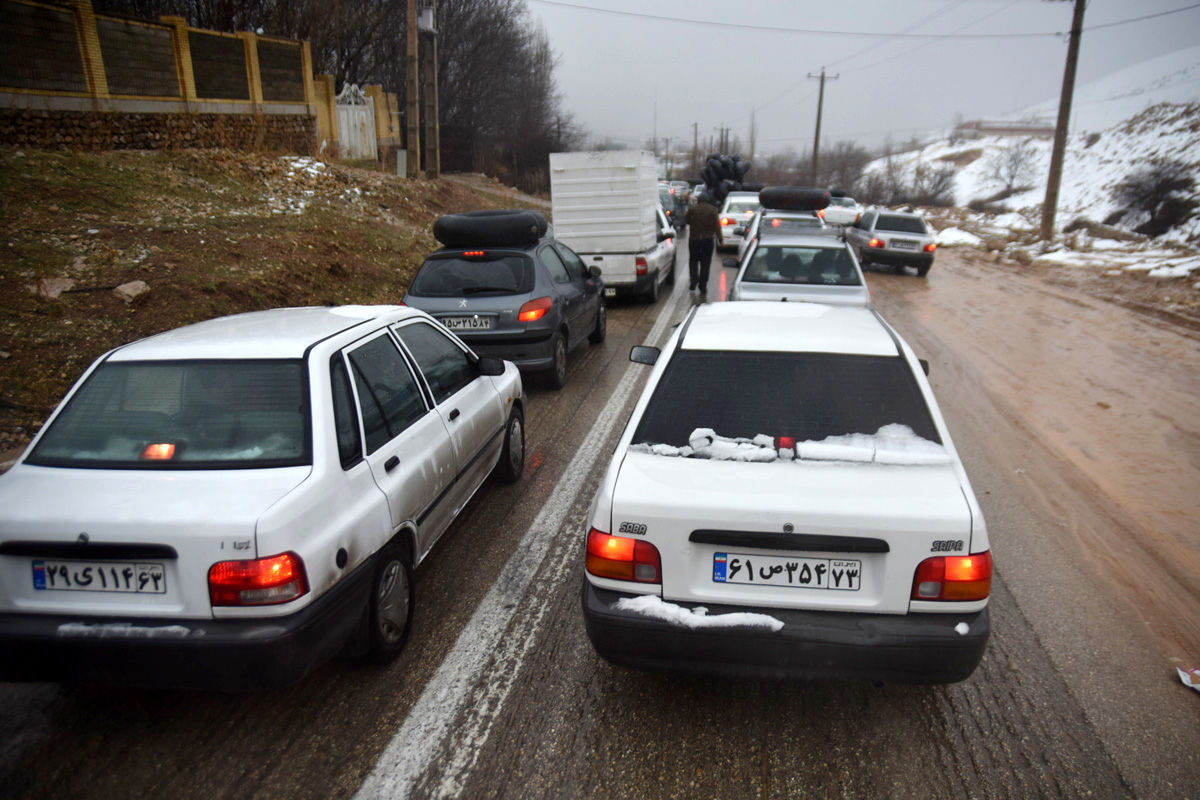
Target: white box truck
<point>606,209</point>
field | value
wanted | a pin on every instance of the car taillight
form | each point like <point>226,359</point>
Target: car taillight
<point>929,248</point>
<point>954,577</point>
<point>261,582</point>
<point>474,253</point>
<point>775,223</point>
<point>821,213</point>
<point>535,309</point>
<point>727,221</point>
<point>639,265</point>
<point>622,558</point>
<point>877,243</point>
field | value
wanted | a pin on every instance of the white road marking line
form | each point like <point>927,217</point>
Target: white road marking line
<point>427,726</point>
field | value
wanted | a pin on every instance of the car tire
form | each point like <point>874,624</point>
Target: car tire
<point>557,375</point>
<point>512,455</point>
<point>391,603</point>
<point>923,270</point>
<point>601,330</point>
<point>651,294</point>
<point>899,269</point>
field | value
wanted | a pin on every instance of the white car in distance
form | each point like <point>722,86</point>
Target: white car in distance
<point>786,502</point>
<point>229,504</point>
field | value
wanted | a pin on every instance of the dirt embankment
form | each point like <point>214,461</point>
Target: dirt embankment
<point>209,233</point>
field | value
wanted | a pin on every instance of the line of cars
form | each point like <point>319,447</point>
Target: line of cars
<point>786,501</point>
<point>230,504</point>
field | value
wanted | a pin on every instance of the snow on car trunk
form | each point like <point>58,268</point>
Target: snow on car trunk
<point>830,535</point>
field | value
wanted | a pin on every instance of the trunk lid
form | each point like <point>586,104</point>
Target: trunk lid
<point>876,519</point>
<point>56,517</point>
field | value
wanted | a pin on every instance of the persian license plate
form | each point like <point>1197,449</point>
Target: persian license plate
<point>472,323</point>
<point>100,576</point>
<point>903,244</point>
<point>797,573</point>
<point>610,291</point>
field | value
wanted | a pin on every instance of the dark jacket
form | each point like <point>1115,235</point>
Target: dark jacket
<point>703,222</point>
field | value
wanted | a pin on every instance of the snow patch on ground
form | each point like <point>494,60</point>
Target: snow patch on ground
<point>649,605</point>
<point>956,236</point>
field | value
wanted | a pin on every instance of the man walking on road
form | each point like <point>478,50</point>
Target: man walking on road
<point>703,225</point>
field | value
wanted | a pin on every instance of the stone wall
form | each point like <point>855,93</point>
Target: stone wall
<point>156,131</point>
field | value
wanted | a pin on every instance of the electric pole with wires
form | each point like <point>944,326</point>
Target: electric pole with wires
<point>1050,204</point>
<point>820,105</point>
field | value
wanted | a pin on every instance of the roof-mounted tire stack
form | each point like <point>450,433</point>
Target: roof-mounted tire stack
<point>504,227</point>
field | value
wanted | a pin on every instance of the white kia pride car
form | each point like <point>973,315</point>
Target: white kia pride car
<point>229,504</point>
<point>786,502</point>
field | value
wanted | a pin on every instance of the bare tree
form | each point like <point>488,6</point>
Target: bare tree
<point>1012,166</point>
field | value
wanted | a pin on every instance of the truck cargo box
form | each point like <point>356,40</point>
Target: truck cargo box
<point>604,202</point>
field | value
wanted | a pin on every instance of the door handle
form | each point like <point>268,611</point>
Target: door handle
<point>454,415</point>
<point>391,463</point>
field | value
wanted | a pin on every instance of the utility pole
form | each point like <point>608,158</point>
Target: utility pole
<point>695,148</point>
<point>413,117</point>
<point>667,155</point>
<point>433,155</point>
<point>820,106</point>
<point>1050,204</point>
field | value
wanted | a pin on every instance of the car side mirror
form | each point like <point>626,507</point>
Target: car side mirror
<point>490,365</point>
<point>644,354</point>
<point>593,272</point>
<point>729,262</point>
<point>924,364</point>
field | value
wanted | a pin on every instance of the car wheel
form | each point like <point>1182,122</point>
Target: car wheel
<point>391,603</point>
<point>923,270</point>
<point>652,292</point>
<point>899,269</point>
<point>512,456</point>
<point>601,330</point>
<point>558,371</point>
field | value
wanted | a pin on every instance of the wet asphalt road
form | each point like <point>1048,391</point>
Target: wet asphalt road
<point>500,695</point>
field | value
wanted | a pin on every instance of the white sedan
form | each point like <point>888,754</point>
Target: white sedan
<point>229,504</point>
<point>842,211</point>
<point>786,502</point>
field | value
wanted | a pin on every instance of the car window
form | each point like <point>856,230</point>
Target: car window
<point>741,206</point>
<point>183,415</point>
<point>868,221</point>
<point>558,270</point>
<point>444,364</point>
<point>777,225</point>
<point>900,223</point>
<point>388,394</point>
<point>844,202</point>
<point>829,266</point>
<point>575,267</point>
<point>345,421</point>
<point>807,396</point>
<point>459,275</point>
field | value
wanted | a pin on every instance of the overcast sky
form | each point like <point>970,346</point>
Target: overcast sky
<point>625,76</point>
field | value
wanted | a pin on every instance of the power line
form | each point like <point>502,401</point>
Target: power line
<point>853,34</point>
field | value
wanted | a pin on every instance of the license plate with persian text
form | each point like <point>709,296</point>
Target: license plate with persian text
<point>797,573</point>
<point>138,577</point>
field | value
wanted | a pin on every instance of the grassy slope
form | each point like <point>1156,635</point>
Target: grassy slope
<point>211,232</point>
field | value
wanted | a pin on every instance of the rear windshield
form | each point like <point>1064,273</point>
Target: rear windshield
<point>807,396</point>
<point>824,266</point>
<point>900,224</point>
<point>776,225</point>
<point>742,206</point>
<point>460,276</point>
<point>183,415</point>
<point>844,202</point>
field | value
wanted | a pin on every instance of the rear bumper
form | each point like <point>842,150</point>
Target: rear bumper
<point>906,258</point>
<point>913,648</point>
<point>529,351</point>
<point>232,655</point>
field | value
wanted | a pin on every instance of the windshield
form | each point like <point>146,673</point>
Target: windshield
<point>844,202</point>
<point>742,206</point>
<point>804,396</point>
<point>821,266</point>
<point>459,276</point>
<point>776,225</point>
<point>900,224</point>
<point>183,415</point>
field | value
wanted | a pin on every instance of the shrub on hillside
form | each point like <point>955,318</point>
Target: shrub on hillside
<point>1162,193</point>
